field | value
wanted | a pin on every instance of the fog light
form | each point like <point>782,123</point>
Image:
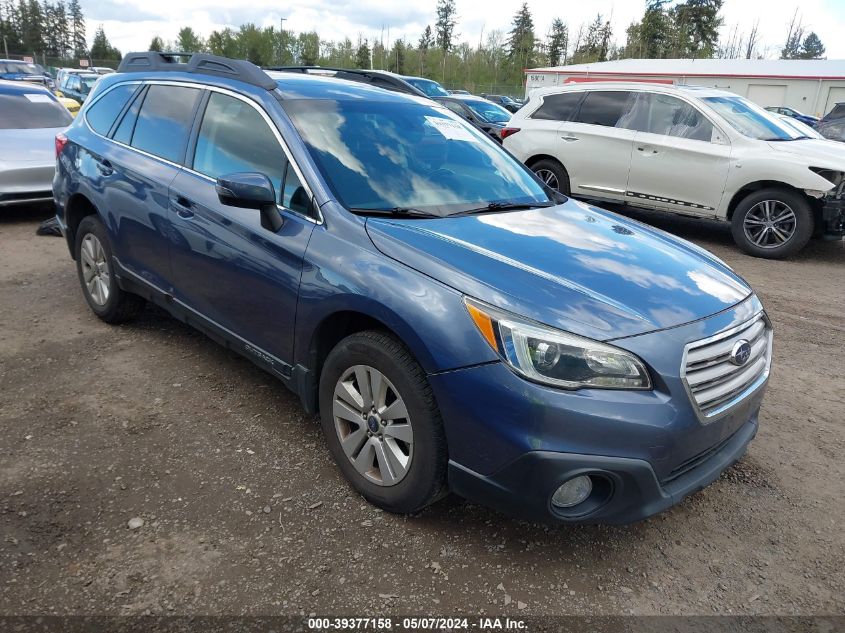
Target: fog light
<point>572,492</point>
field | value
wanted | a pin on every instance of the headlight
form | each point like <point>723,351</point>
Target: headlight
<point>554,357</point>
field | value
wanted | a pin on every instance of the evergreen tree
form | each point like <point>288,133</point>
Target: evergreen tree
<point>362,55</point>
<point>156,44</point>
<point>444,27</point>
<point>78,42</point>
<point>558,43</point>
<point>396,61</point>
<point>697,24</point>
<point>426,42</point>
<point>309,48</point>
<point>521,40</point>
<point>101,48</point>
<point>812,47</point>
<point>650,38</point>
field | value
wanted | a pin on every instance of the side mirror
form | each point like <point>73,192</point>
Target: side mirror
<point>251,190</point>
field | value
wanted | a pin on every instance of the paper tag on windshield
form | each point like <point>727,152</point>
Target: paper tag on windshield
<point>38,98</point>
<point>451,129</point>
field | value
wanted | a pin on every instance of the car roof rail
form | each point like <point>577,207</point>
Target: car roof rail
<point>377,78</point>
<point>197,63</point>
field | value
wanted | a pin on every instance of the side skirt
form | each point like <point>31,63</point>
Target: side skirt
<point>297,378</point>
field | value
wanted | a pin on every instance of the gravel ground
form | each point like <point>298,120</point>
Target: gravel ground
<point>241,510</point>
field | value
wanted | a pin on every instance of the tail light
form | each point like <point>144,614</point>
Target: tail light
<point>61,141</point>
<point>508,131</point>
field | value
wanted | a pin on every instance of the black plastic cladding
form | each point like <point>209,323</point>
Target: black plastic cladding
<point>198,63</point>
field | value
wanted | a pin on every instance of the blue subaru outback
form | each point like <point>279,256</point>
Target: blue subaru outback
<point>455,324</point>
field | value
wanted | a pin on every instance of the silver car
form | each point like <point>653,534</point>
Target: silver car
<point>30,118</point>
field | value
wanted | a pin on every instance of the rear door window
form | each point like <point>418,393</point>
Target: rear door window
<point>164,121</point>
<point>605,108</point>
<point>102,114</point>
<point>559,107</point>
<point>233,138</point>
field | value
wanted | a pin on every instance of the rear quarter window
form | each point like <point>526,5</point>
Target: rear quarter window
<point>165,121</point>
<point>101,116</point>
<point>560,107</point>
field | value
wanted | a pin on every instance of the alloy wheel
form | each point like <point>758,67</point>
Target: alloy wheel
<point>548,177</point>
<point>95,269</point>
<point>769,224</point>
<point>373,425</point>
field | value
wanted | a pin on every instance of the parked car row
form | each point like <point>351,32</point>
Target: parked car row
<point>455,322</point>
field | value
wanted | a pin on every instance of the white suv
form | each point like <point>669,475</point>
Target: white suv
<point>687,150</point>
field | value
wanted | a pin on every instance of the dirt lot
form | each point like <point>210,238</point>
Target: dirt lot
<point>244,512</point>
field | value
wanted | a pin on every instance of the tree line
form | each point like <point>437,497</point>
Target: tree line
<point>53,29</point>
<point>666,29</point>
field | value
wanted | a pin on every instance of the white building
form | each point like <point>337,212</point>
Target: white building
<point>810,86</point>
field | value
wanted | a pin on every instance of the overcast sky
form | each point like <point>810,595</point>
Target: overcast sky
<point>131,24</point>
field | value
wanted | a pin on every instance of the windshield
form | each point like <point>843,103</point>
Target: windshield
<point>751,120</point>
<point>18,68</point>
<point>388,155</point>
<point>802,128</point>
<point>32,111</point>
<point>88,81</point>
<point>429,87</point>
<point>489,111</point>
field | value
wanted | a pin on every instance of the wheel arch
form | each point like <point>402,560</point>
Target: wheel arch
<point>759,185</point>
<point>337,325</point>
<point>77,207</point>
<point>536,158</point>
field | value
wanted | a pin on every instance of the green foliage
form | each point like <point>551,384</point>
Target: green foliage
<point>156,44</point>
<point>362,55</point>
<point>102,49</point>
<point>447,19</point>
<point>189,42</point>
<point>812,47</point>
<point>595,45</point>
<point>558,43</point>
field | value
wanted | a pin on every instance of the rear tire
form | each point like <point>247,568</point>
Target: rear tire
<point>553,174</point>
<point>772,223</point>
<point>95,268</point>
<point>390,446</point>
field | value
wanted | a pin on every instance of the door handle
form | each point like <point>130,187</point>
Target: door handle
<point>183,206</point>
<point>647,150</point>
<point>105,167</point>
<point>569,138</point>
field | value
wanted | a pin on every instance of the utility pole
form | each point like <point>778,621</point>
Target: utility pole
<point>281,39</point>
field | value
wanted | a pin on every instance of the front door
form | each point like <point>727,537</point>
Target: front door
<point>680,160</point>
<point>227,267</point>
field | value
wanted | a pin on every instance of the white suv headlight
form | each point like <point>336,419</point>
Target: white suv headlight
<point>553,357</point>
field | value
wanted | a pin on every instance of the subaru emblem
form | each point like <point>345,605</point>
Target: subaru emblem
<point>740,353</point>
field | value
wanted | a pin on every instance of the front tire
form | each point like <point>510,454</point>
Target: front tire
<point>772,223</point>
<point>553,174</point>
<point>95,269</point>
<point>381,422</point>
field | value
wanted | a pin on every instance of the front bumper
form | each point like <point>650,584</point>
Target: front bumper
<point>833,219</point>
<point>631,490</point>
<point>513,442</point>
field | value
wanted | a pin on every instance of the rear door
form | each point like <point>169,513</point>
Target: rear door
<point>595,146</point>
<point>226,266</point>
<point>680,160</point>
<point>149,148</point>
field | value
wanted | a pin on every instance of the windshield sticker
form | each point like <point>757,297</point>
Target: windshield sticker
<point>38,98</point>
<point>451,129</point>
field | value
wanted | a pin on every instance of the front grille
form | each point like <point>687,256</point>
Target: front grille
<point>714,382</point>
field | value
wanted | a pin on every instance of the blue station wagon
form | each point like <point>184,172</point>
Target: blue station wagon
<point>457,325</point>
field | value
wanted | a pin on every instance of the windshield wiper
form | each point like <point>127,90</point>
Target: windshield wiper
<point>398,211</point>
<point>504,206</point>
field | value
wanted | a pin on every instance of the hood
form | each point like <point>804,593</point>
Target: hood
<point>572,266</point>
<point>29,145</point>
<point>816,152</point>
